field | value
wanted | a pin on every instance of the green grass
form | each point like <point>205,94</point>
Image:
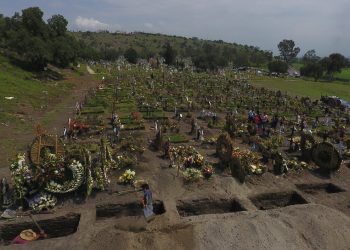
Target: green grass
<point>297,66</point>
<point>81,70</point>
<point>176,138</point>
<point>26,90</point>
<point>344,74</point>
<point>29,94</point>
<point>93,110</point>
<point>301,87</point>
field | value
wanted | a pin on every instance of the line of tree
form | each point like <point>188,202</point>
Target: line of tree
<point>313,65</point>
<point>28,38</point>
<point>317,67</point>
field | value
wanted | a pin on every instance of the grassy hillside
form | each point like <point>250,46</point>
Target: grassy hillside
<point>29,94</point>
<point>150,44</point>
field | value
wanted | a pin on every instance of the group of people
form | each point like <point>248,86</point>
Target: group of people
<point>261,120</point>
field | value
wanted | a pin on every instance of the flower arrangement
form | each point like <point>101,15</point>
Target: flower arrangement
<point>192,174</point>
<point>22,175</point>
<point>207,171</point>
<point>42,201</point>
<point>194,161</point>
<point>250,161</point>
<point>89,182</point>
<point>131,145</point>
<point>99,178</point>
<point>296,165</point>
<point>52,167</point>
<point>127,177</point>
<point>68,186</point>
<point>273,143</point>
<point>210,140</point>
<point>257,169</point>
<point>296,139</point>
<point>124,161</point>
<point>187,156</point>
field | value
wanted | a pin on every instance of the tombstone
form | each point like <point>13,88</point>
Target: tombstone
<point>201,135</point>
<point>5,196</point>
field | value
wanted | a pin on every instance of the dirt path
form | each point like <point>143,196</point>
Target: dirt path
<point>91,72</point>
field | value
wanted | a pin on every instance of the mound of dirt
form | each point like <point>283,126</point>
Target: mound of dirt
<point>294,227</point>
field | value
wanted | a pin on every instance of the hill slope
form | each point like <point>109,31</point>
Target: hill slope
<point>148,45</point>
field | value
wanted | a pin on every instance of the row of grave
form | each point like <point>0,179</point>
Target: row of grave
<point>68,224</point>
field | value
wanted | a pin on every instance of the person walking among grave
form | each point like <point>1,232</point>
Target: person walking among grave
<point>198,133</point>
<point>167,148</point>
<point>274,121</point>
<point>258,123</point>
<point>251,116</point>
<point>264,120</point>
<point>147,202</point>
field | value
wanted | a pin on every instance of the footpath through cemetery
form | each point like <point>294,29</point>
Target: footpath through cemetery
<point>170,159</point>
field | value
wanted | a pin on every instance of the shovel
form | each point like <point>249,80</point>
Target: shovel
<point>127,191</point>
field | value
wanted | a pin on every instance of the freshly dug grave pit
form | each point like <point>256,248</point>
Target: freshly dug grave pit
<point>317,188</point>
<point>128,209</point>
<point>276,200</point>
<point>54,228</point>
<point>207,206</point>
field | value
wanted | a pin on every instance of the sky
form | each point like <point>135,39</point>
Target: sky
<point>322,25</point>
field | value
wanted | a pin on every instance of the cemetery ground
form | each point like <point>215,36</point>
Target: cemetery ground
<point>301,209</point>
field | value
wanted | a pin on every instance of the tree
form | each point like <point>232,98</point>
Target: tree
<point>169,54</point>
<point>57,25</point>
<point>131,55</point>
<point>312,69</point>
<point>334,63</point>
<point>37,52</point>
<point>288,51</point>
<point>278,66</point>
<point>310,57</point>
<point>32,20</point>
<point>64,51</point>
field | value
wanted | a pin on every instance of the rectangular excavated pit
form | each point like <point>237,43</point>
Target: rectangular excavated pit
<point>207,206</point>
<point>276,200</point>
<point>56,227</point>
<point>316,188</point>
<point>128,209</point>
